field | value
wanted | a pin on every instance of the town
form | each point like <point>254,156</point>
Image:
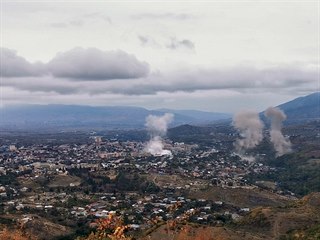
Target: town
<point>73,184</point>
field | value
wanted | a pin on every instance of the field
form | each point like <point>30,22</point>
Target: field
<point>241,197</point>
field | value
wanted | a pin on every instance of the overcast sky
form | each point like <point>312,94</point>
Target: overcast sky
<point>210,55</point>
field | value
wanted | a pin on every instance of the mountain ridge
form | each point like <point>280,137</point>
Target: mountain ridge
<point>58,115</point>
<point>302,108</point>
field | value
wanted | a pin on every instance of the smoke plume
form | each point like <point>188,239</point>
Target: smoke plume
<point>250,127</point>
<point>281,144</point>
<point>155,147</point>
<point>157,127</point>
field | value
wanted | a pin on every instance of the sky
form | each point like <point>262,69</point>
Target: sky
<point>217,56</point>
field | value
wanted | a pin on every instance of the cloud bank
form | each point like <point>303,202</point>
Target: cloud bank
<point>94,64</point>
<point>78,63</point>
<point>93,71</point>
<point>13,65</point>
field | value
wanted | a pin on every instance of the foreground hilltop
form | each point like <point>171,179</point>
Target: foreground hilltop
<point>297,220</point>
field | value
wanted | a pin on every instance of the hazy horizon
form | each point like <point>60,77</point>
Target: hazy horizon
<point>150,109</point>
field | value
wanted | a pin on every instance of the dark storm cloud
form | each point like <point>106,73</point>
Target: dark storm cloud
<point>94,64</point>
<point>78,63</point>
<point>176,44</point>
<point>12,65</point>
<point>241,79</point>
<point>74,71</point>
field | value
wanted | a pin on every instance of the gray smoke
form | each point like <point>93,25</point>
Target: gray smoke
<point>155,147</point>
<point>281,144</point>
<point>157,127</point>
<point>250,127</point>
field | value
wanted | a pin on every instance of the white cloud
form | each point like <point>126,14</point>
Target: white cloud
<point>94,64</point>
<point>85,70</point>
<point>12,65</point>
<point>78,63</point>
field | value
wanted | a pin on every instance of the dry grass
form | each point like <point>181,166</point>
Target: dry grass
<point>15,234</point>
<point>196,232</point>
<point>241,197</point>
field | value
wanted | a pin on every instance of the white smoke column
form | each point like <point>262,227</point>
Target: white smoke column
<point>155,147</point>
<point>281,144</point>
<point>157,127</point>
<point>250,127</point>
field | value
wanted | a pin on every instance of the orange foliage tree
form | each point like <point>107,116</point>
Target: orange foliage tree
<point>110,228</point>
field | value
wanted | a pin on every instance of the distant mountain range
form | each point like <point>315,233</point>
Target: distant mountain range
<point>87,117</point>
<point>302,109</point>
<point>67,117</point>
